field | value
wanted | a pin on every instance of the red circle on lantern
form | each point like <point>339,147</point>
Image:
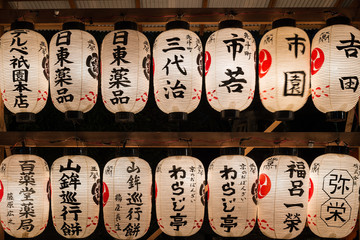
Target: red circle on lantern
<point>264,185</point>
<point>265,61</point>
<point>317,60</point>
<point>311,189</point>
<point>207,62</point>
<point>1,190</point>
<point>105,194</point>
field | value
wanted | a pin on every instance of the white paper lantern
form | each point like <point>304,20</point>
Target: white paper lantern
<point>177,70</point>
<point>335,70</point>
<point>232,197</point>
<point>334,195</point>
<point>284,70</point>
<point>127,197</point>
<point>230,87</point>
<point>73,70</point>
<point>179,194</point>
<point>283,196</point>
<point>125,65</point>
<point>75,195</point>
<point>24,75</point>
<point>24,196</point>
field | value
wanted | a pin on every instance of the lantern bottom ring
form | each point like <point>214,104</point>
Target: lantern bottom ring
<point>336,116</point>
<point>124,117</point>
<point>25,117</point>
<point>74,115</point>
<point>230,114</point>
<point>284,115</point>
<point>177,116</point>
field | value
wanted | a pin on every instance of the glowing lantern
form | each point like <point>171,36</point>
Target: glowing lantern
<point>230,87</point>
<point>75,195</point>
<point>335,68</point>
<point>232,190</point>
<point>24,206</point>
<point>283,196</point>
<point>73,70</point>
<point>125,56</point>
<point>334,194</point>
<point>24,76</point>
<point>127,197</point>
<point>177,70</point>
<point>284,70</point>
<point>179,194</point>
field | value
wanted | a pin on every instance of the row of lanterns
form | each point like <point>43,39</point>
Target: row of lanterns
<point>285,195</point>
<point>178,66</point>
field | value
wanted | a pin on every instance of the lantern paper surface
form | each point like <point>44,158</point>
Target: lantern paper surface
<point>232,190</point>
<point>230,69</point>
<point>334,195</point>
<point>125,65</point>
<point>127,197</point>
<point>179,193</point>
<point>283,192</point>
<point>177,71</point>
<point>284,70</point>
<point>75,195</point>
<point>335,68</point>
<point>25,71</point>
<point>24,196</point>
<point>73,70</point>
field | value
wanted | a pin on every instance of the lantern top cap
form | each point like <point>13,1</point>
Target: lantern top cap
<point>286,151</point>
<point>22,25</point>
<point>338,20</point>
<point>284,22</point>
<point>179,152</point>
<point>178,24</point>
<point>23,150</point>
<point>230,24</point>
<point>75,151</point>
<point>128,25</point>
<point>232,151</point>
<point>73,26</point>
<point>337,149</point>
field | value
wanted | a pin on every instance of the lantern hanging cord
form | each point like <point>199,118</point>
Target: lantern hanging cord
<point>243,139</point>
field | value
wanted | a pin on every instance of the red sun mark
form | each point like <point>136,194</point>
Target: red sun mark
<point>317,60</point>
<point>1,190</point>
<point>153,64</point>
<point>105,194</point>
<point>311,189</point>
<point>207,62</point>
<point>264,185</point>
<point>156,190</point>
<point>264,62</point>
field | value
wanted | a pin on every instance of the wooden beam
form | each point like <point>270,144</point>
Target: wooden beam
<point>155,234</point>
<point>350,120</point>
<point>72,4</point>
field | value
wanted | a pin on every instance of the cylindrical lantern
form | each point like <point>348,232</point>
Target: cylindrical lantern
<point>230,69</point>
<point>75,195</point>
<point>125,65</point>
<point>177,70</point>
<point>284,70</point>
<point>334,195</point>
<point>73,70</point>
<point>24,196</point>
<point>335,69</point>
<point>232,197</point>
<point>283,196</point>
<point>179,194</point>
<point>127,197</point>
<point>25,71</point>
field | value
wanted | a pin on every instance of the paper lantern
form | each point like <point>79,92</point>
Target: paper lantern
<point>125,64</point>
<point>230,87</point>
<point>284,70</point>
<point>335,69</point>
<point>24,75</point>
<point>127,197</point>
<point>232,185</point>
<point>283,196</point>
<point>73,70</point>
<point>75,195</point>
<point>179,194</point>
<point>334,195</point>
<point>24,206</point>
<point>177,70</point>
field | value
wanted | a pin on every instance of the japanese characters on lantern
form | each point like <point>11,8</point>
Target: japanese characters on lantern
<point>283,196</point>
<point>232,181</point>
<point>177,71</point>
<point>127,197</point>
<point>75,196</point>
<point>334,195</point>
<point>73,72</point>
<point>179,193</point>
<point>24,206</point>
<point>284,70</point>
<point>25,73</point>
<point>230,86</point>
<point>125,72</point>
<point>335,70</point>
